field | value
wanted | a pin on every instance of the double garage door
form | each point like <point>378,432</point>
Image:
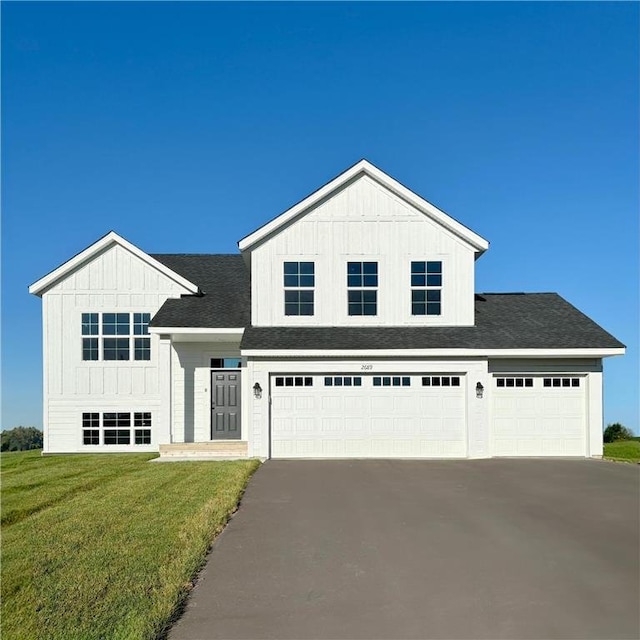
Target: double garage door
<point>368,416</point>
<point>423,416</point>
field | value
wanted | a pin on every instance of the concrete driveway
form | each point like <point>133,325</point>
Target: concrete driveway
<point>426,549</point>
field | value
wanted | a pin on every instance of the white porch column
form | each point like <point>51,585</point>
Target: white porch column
<point>164,383</point>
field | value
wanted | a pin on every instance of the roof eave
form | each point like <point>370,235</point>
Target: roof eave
<point>439,353</point>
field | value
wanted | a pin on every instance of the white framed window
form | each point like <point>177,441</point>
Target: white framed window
<point>116,428</point>
<point>362,288</point>
<point>441,381</point>
<point>426,288</point>
<point>343,381</point>
<point>561,382</point>
<point>299,282</point>
<point>294,381</point>
<point>116,336</point>
<point>516,382</point>
<point>391,381</point>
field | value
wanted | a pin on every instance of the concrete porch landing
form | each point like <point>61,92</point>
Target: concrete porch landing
<point>214,450</point>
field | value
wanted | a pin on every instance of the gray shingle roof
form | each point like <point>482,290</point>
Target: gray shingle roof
<point>503,321</point>
<point>226,292</point>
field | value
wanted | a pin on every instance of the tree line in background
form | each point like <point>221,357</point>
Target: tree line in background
<point>25,438</point>
<point>21,439</point>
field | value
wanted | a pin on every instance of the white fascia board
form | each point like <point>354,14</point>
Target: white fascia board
<point>433,353</point>
<point>197,330</point>
<point>38,287</point>
<point>365,167</point>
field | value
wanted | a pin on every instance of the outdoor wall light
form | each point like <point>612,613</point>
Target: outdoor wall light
<point>479,390</point>
<point>257,391</point>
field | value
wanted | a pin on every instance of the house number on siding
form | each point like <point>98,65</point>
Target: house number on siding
<point>366,367</point>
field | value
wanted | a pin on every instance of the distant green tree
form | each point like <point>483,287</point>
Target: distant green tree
<point>616,431</point>
<point>21,439</point>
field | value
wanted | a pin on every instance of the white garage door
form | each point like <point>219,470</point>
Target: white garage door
<point>368,416</point>
<point>539,416</point>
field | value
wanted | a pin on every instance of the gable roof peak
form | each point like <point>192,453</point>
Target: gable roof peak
<point>107,241</point>
<point>363,167</point>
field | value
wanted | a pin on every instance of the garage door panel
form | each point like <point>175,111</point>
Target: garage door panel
<point>405,419</point>
<point>379,426</point>
<point>354,425</point>
<point>304,403</point>
<point>354,403</point>
<point>331,403</point>
<point>539,420</point>
<point>282,403</point>
<point>329,426</point>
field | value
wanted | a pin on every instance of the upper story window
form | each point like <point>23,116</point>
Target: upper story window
<point>116,336</point>
<point>426,288</point>
<point>299,283</point>
<point>362,288</point>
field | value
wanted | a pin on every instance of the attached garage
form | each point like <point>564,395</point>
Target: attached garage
<point>539,415</point>
<point>395,415</point>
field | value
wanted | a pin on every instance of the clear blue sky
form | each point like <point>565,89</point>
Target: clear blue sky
<point>184,126</point>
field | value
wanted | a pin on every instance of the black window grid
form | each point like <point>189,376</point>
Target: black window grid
<point>116,428</point>
<point>118,336</point>
<point>426,288</point>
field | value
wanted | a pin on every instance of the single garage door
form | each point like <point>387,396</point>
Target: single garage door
<point>539,416</point>
<point>368,416</point>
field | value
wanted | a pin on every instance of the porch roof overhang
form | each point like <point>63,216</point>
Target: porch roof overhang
<point>200,334</point>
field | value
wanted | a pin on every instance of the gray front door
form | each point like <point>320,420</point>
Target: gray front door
<point>225,405</point>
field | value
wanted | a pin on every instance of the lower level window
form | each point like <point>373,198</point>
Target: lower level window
<point>111,428</point>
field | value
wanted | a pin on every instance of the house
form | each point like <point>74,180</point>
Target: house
<point>347,326</point>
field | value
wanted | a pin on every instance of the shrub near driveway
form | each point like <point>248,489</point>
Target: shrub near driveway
<point>105,546</point>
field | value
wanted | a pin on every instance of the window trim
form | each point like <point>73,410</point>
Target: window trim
<point>138,337</point>
<point>140,426</point>
<point>299,288</point>
<point>362,289</point>
<point>426,289</point>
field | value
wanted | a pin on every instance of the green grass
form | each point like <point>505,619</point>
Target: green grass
<point>106,546</point>
<point>628,450</point>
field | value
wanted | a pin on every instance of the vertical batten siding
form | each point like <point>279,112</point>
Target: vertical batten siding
<point>363,222</point>
<point>113,281</point>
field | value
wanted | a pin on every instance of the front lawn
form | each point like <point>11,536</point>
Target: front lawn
<point>628,450</point>
<point>106,546</point>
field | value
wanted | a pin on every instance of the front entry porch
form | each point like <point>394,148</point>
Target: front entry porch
<point>215,450</point>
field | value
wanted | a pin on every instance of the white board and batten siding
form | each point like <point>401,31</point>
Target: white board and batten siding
<point>363,222</point>
<point>113,281</point>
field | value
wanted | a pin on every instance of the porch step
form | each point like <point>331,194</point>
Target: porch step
<point>222,449</point>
